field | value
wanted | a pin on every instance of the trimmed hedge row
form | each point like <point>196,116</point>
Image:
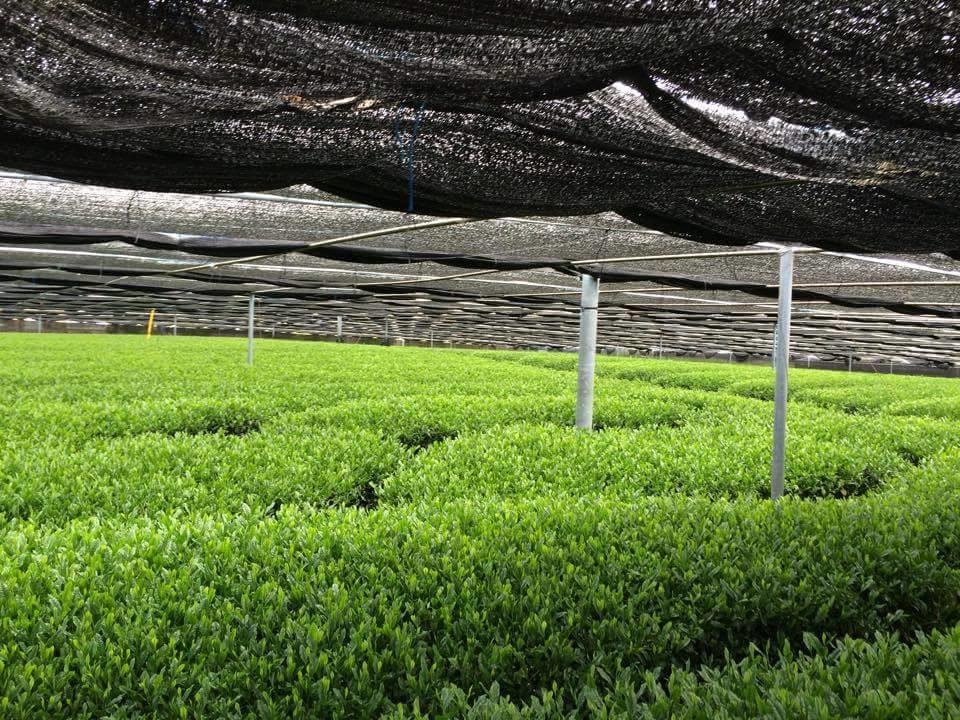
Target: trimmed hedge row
<point>169,551</point>
<point>72,424</point>
<point>848,392</point>
<point>291,375</point>
<point>432,417</point>
<point>946,408</point>
<point>351,614</point>
<point>180,454</point>
<point>720,461</point>
<point>880,678</point>
<point>153,473</point>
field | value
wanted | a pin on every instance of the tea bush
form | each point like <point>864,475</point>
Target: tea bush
<point>152,473</point>
<point>731,460</point>
<point>346,531</point>
<point>351,614</point>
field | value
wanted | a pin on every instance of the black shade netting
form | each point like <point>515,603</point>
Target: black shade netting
<point>828,123</point>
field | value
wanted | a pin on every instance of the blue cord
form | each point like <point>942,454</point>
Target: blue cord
<point>408,147</point>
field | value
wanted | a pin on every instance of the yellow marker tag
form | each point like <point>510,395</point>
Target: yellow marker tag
<point>150,322</point>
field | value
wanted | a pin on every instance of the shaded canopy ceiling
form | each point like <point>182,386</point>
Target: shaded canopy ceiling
<point>829,123</point>
<point>78,253</point>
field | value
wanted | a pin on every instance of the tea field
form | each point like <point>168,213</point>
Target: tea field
<point>349,531</point>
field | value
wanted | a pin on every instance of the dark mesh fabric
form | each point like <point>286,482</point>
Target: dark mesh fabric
<point>226,279</point>
<point>828,123</point>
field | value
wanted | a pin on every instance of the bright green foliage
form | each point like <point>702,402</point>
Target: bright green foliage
<point>419,421</point>
<point>881,678</point>
<point>429,418</point>
<point>829,459</point>
<point>345,531</point>
<point>947,408</point>
<point>390,607</point>
<point>153,473</point>
<point>850,392</point>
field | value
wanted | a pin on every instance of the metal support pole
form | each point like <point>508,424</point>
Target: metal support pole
<point>174,324</point>
<point>776,339</point>
<point>660,353</point>
<point>386,330</point>
<point>431,337</point>
<point>781,358</point>
<point>588,351</point>
<point>340,328</point>
<point>39,323</point>
<point>891,366</point>
<point>253,300</point>
<point>850,362</point>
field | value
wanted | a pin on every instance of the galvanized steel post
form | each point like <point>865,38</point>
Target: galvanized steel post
<point>250,330</point>
<point>781,363</point>
<point>588,351</point>
<point>340,328</point>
